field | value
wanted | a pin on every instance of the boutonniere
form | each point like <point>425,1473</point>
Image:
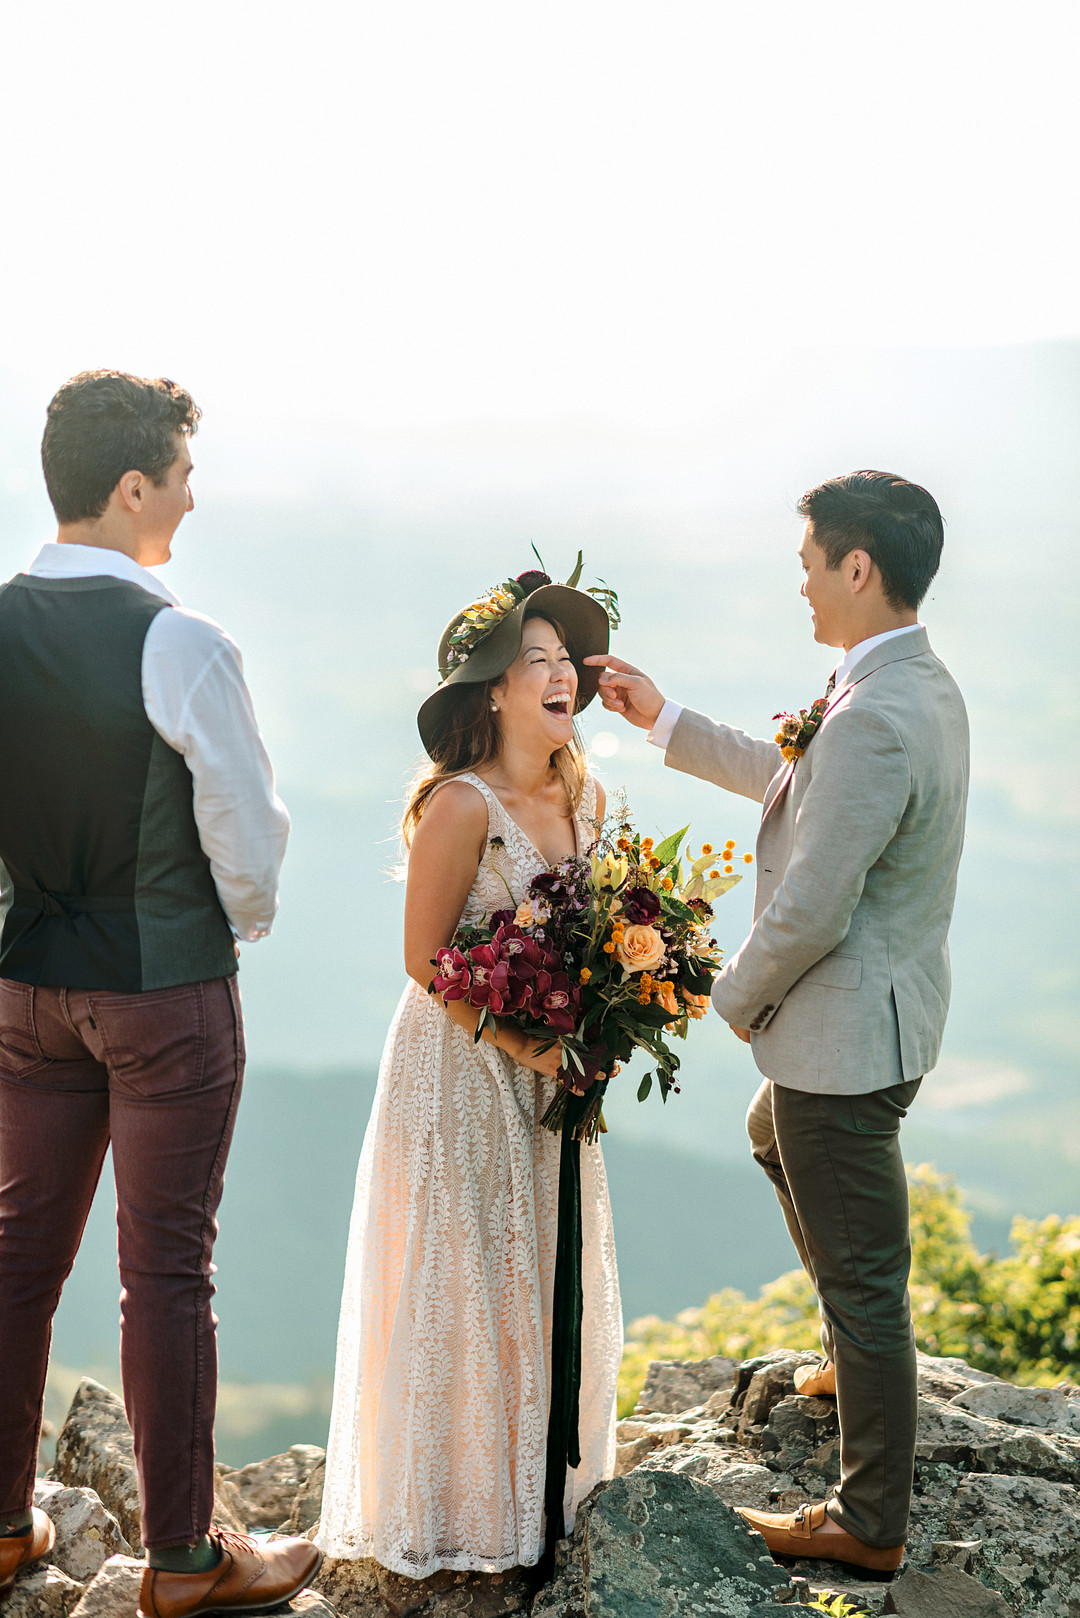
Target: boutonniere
<point>797,730</point>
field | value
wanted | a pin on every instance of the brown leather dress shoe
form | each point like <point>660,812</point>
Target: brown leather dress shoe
<point>810,1532</point>
<point>251,1574</point>
<point>19,1550</point>
<point>816,1381</point>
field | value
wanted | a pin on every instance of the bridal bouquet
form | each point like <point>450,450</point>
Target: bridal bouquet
<point>609,952</point>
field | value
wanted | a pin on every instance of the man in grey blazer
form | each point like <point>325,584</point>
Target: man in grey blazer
<point>842,987</point>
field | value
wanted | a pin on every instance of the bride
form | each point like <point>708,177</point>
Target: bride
<point>437,1445</point>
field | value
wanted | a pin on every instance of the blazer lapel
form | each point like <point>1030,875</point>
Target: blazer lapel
<point>896,650</point>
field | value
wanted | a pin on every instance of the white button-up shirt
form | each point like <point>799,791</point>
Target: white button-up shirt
<point>196,699</point>
<point>668,717</point>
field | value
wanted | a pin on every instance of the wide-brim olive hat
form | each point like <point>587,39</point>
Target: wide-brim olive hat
<point>584,621</point>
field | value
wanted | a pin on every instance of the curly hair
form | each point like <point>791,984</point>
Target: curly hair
<point>102,424</point>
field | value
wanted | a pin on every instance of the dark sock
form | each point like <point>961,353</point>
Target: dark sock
<point>198,1558</point>
<point>20,1523</point>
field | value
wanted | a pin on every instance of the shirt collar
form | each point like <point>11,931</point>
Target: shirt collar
<point>55,561</point>
<point>864,647</point>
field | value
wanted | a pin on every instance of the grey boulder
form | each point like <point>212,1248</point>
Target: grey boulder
<point>86,1533</point>
<point>42,1591</point>
<point>675,1385</point>
<point>114,1593</point>
<point>661,1545</point>
<point>944,1593</point>
<point>266,1490</point>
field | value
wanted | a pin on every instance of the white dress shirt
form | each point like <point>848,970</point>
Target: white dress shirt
<point>668,717</point>
<point>196,699</point>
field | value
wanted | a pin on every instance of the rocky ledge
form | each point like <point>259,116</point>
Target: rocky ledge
<point>995,1523</point>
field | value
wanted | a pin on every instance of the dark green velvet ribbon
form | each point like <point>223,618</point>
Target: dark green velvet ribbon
<point>563,1445</point>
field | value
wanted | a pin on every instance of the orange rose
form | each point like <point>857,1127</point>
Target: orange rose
<point>696,1004</point>
<point>640,948</point>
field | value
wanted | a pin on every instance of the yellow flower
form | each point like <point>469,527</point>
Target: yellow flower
<point>609,872</point>
<point>727,870</point>
<point>609,949</point>
<point>713,875</point>
<point>748,859</point>
<point>585,975</point>
<point>666,996</point>
<point>667,884</point>
<point>706,848</point>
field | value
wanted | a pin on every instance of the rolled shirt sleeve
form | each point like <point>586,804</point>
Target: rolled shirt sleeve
<point>197,700</point>
<point>666,720</point>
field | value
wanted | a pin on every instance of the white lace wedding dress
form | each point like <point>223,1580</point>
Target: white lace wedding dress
<point>437,1446</point>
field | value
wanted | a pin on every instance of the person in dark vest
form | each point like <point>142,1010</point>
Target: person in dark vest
<point>140,839</point>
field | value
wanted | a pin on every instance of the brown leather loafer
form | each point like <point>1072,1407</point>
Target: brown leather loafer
<point>810,1532</point>
<point>816,1381</point>
<point>19,1550</point>
<point>251,1574</point>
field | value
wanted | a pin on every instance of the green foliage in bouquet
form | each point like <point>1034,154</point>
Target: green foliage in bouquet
<point>1017,1317</point>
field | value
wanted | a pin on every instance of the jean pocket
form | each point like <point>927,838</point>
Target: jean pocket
<point>880,1111</point>
<point>154,1043</point>
<point>21,1054</point>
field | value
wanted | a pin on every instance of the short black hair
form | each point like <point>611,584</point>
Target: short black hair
<point>895,522</point>
<point>102,424</point>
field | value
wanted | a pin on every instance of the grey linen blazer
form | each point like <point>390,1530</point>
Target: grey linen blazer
<point>844,979</point>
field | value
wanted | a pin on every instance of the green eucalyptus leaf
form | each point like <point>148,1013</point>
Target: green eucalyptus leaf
<point>644,1087</point>
<point>669,848</point>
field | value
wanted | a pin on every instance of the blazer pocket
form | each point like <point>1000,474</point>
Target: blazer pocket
<point>835,972</point>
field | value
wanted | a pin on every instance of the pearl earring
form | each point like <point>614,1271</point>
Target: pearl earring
<point>494,707</point>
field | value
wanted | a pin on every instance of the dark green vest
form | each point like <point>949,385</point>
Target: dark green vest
<point>111,889</point>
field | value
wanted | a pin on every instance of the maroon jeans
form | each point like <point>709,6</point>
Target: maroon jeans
<point>159,1075</point>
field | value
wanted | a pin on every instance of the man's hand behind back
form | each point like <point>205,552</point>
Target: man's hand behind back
<point>625,690</point>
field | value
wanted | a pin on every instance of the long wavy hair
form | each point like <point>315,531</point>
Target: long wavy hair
<point>472,739</point>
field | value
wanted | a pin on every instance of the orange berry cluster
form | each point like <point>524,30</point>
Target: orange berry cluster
<point>618,929</point>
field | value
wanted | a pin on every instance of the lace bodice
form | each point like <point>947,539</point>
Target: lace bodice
<point>511,860</point>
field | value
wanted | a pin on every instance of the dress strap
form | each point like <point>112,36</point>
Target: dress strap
<point>496,813</point>
<point>586,814</point>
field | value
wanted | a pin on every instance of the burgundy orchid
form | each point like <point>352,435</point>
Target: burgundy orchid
<point>452,975</point>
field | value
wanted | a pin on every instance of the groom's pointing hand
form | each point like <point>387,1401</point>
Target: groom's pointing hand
<point>624,689</point>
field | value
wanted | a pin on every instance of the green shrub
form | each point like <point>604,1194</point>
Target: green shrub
<point>1016,1316</point>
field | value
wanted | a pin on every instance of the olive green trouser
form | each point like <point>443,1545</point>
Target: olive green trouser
<point>836,1166</point>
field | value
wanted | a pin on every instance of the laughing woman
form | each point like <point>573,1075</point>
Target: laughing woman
<point>438,1436</point>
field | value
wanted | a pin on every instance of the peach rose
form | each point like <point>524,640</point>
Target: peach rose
<point>640,949</point>
<point>696,1004</point>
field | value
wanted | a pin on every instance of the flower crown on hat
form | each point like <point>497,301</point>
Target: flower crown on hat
<point>476,622</point>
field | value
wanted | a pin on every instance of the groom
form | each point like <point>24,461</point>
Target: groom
<point>842,987</point>
<point>140,837</point>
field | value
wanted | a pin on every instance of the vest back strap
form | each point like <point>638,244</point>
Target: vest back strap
<point>63,904</point>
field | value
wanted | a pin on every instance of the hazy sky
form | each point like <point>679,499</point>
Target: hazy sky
<point>414,212</point>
